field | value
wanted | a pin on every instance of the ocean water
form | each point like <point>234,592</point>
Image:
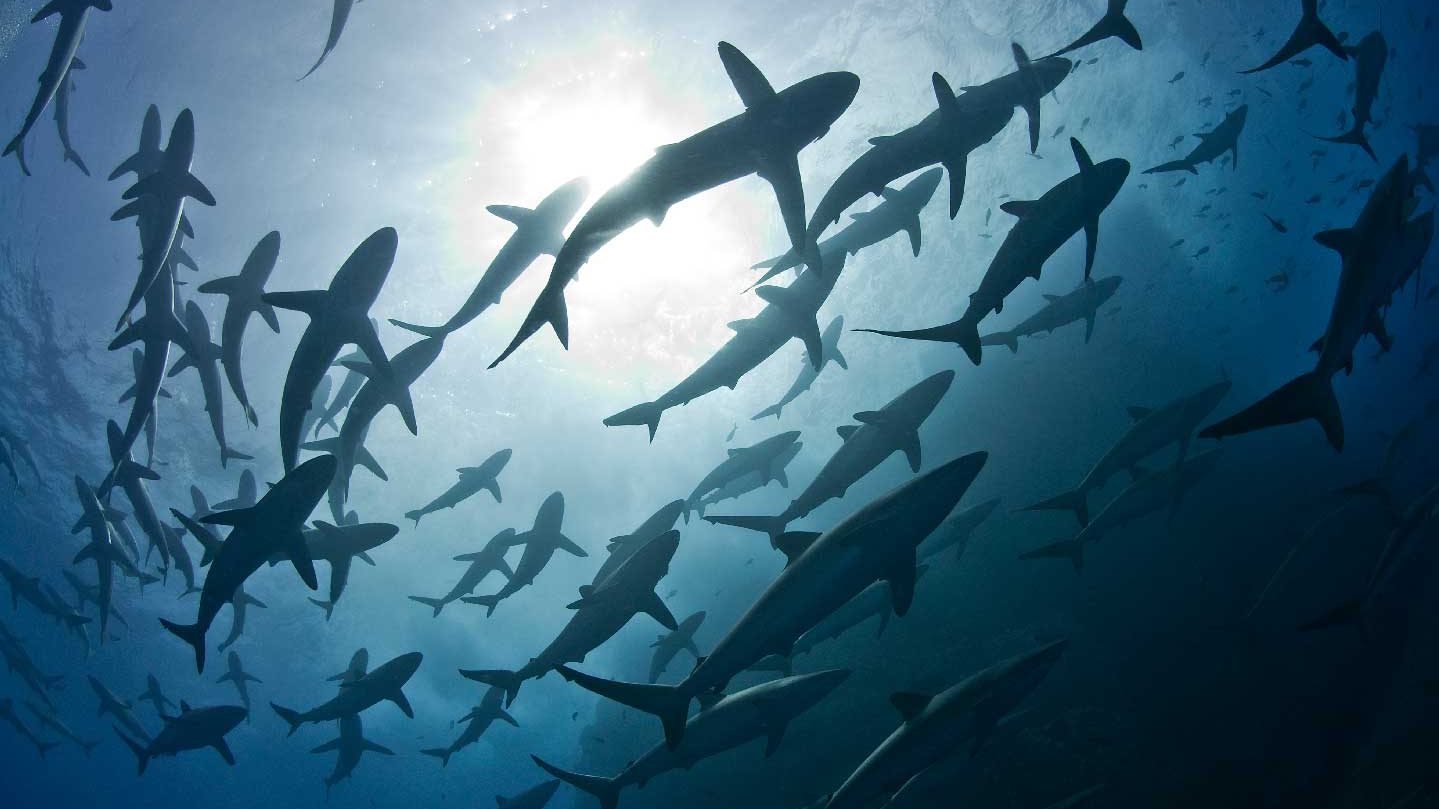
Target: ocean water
<point>1180,684</point>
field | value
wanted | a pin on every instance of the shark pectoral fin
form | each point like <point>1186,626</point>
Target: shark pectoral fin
<point>793,544</point>
<point>339,575</point>
<point>568,545</point>
<point>901,583</point>
<point>1017,207</point>
<point>220,286</point>
<point>224,750</point>
<point>513,214</point>
<point>310,301</point>
<point>773,739</point>
<point>299,554</point>
<point>912,228</point>
<point>1088,327</point>
<point>910,446</point>
<point>378,748</point>
<point>328,747</point>
<point>404,704</point>
<point>267,313</point>
<point>185,361</point>
<point>1340,240</point>
<point>493,487</point>
<point>845,431</point>
<point>656,609</point>
<point>956,168</point>
<point>1091,243</point>
<point>192,187</point>
<point>782,173</point>
<point>748,81</point>
<point>368,461</point>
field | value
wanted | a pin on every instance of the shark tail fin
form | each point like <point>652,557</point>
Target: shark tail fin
<point>1347,613</point>
<point>666,702</point>
<point>192,634</point>
<point>441,753</point>
<point>227,455</point>
<point>424,331</point>
<point>72,157</point>
<point>1354,137</point>
<point>1309,396</point>
<point>503,679</point>
<point>1173,165</point>
<point>549,308</point>
<point>772,410</point>
<point>291,717</point>
<point>960,332</point>
<point>1075,501</point>
<point>489,602</point>
<point>647,414</point>
<point>1115,24</point>
<point>773,526</point>
<point>1008,339</point>
<point>141,757</point>
<point>436,604</point>
<point>603,789</point>
<point>1070,549</point>
<point>327,606</point>
<point>415,515</point>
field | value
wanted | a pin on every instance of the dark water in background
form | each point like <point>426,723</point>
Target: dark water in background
<point>429,111</point>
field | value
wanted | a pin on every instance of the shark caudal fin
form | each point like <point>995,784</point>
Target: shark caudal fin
<point>1076,501</point>
<point>503,679</point>
<point>292,718</point>
<point>142,758</point>
<point>1354,137</point>
<point>415,515</point>
<point>1008,339</point>
<point>1115,24</point>
<point>436,604</point>
<point>441,753</point>
<point>1071,549</point>
<point>647,414</point>
<point>489,602</point>
<point>424,331</point>
<point>1311,31</point>
<point>772,410</point>
<point>192,634</point>
<point>227,455</point>
<point>327,606</point>
<point>1310,396</point>
<point>549,308</point>
<point>72,157</point>
<point>604,790</point>
<point>772,526</point>
<point>959,332</point>
<point>666,702</point>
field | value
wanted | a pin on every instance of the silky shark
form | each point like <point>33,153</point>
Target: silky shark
<point>762,458</point>
<point>338,17</point>
<point>324,413</point>
<point>1311,31</point>
<point>1214,144</point>
<point>473,479</point>
<point>763,711</point>
<point>204,355</point>
<point>1369,57</point>
<point>179,557</point>
<point>765,140</point>
<point>246,293</point>
<point>340,546</point>
<point>193,729</point>
<point>48,719</point>
<point>155,696</point>
<point>90,594</point>
<point>623,547</point>
<point>386,682</point>
<point>956,531</point>
<point>349,746</point>
<point>149,157</point>
<point>481,563</point>
<point>62,115</point>
<point>338,315</point>
<point>536,797</point>
<point>62,56</point>
<point>1151,430</point>
<point>270,526</point>
<point>130,477</point>
<point>247,494</point>
<point>101,549</point>
<point>1380,239</point>
<point>668,645</point>
<point>1112,24</point>
<point>154,331</point>
<point>477,721</point>
<point>18,662</point>
<point>601,611</point>
<point>872,602</point>
<point>236,674</point>
<point>158,200</point>
<point>790,314</point>
<point>1151,491</point>
<point>946,136</point>
<point>117,708</point>
<point>538,232</point>
<point>378,392</point>
<point>540,542</point>
<point>9,715</point>
<point>879,434</point>
<point>742,486</point>
<point>897,213</point>
<point>1059,311</point>
<point>20,448</point>
<point>825,570</point>
<point>1044,226</point>
<point>829,339</point>
<point>933,727</point>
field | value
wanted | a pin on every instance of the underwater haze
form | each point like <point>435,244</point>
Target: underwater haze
<point>1076,510</point>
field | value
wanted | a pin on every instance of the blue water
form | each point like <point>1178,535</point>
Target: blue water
<point>427,112</point>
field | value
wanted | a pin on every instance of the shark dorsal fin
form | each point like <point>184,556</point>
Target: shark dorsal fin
<point>749,82</point>
<point>1081,156</point>
<point>1339,239</point>
<point>846,431</point>
<point>1017,207</point>
<point>909,704</point>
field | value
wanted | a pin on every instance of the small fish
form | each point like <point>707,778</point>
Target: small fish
<point>1314,200</point>
<point>1177,243</point>
<point>1203,251</point>
<point>1178,139</point>
<point>1233,288</point>
<point>1181,182</point>
<point>1059,131</point>
<point>1205,209</point>
<point>1177,77</point>
<point>1277,224</point>
<point>1259,195</point>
